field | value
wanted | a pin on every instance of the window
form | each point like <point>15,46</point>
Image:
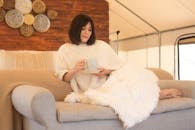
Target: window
<point>186,59</point>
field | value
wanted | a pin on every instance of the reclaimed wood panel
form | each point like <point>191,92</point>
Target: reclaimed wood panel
<point>57,35</point>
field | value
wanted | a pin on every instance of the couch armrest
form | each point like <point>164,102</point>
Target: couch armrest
<point>35,102</point>
<point>187,87</point>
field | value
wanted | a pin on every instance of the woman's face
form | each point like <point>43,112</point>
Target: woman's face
<point>86,32</point>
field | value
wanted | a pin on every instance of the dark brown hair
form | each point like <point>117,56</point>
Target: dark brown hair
<point>76,26</point>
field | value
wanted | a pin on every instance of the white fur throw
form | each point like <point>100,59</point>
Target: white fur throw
<point>131,91</point>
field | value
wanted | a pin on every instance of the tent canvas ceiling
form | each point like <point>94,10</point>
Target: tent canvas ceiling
<point>156,15</point>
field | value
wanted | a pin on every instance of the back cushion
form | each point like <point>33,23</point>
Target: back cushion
<point>161,74</point>
<point>10,78</point>
<point>27,60</point>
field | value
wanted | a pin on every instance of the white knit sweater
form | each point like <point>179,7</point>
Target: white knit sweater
<point>68,54</point>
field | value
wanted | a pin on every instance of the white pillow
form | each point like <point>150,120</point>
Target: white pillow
<point>27,60</point>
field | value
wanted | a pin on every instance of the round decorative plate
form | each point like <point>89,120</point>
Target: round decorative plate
<point>14,18</point>
<point>26,30</point>
<point>52,14</point>
<point>2,14</point>
<point>25,6</point>
<point>9,4</point>
<point>41,23</point>
<point>1,3</point>
<point>29,19</point>
<point>38,6</point>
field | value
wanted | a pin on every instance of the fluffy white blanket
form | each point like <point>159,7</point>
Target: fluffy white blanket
<point>131,91</point>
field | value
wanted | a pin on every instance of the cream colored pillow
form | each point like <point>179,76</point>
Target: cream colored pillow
<point>27,60</point>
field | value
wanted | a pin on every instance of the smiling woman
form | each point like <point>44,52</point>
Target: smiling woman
<point>82,30</point>
<point>71,58</point>
<point>86,33</point>
<point>112,84</point>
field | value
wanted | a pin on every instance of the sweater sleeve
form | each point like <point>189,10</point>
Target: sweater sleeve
<point>61,66</point>
<point>108,58</point>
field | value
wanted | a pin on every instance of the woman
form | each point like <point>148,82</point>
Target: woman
<point>73,57</point>
<point>128,90</point>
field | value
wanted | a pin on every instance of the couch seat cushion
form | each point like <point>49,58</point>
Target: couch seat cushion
<point>173,104</point>
<point>67,112</point>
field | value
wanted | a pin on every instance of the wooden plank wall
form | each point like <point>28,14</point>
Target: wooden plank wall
<point>11,39</point>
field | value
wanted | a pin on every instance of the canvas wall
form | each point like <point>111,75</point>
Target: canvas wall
<point>144,51</point>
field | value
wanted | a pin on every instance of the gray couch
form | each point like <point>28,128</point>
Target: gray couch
<point>43,109</point>
<point>38,96</point>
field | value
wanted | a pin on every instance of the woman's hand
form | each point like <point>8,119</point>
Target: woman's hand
<point>80,65</point>
<point>103,72</point>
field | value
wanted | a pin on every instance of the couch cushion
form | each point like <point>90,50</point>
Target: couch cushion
<point>47,80</point>
<point>161,74</point>
<point>27,60</point>
<point>67,112</point>
<point>173,104</point>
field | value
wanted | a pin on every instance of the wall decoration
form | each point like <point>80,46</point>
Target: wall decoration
<point>14,18</point>
<point>24,6</point>
<point>2,14</point>
<point>29,19</point>
<point>26,30</point>
<point>1,3</point>
<point>41,23</point>
<point>52,14</point>
<point>14,39</point>
<point>39,6</point>
<point>9,4</point>
<point>27,15</point>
